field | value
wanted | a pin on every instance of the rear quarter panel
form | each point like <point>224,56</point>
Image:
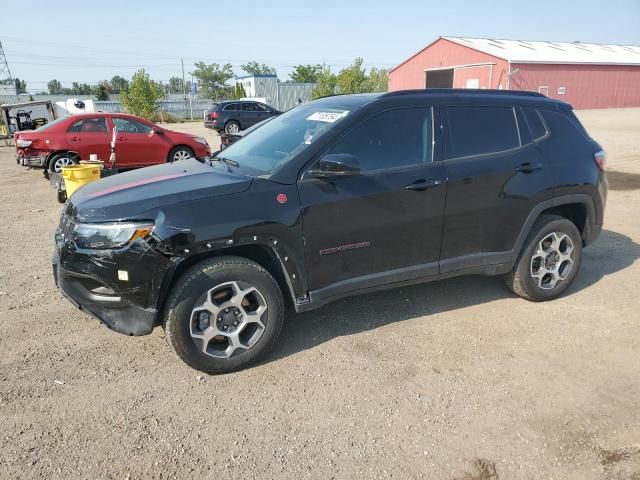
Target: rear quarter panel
<point>570,152</point>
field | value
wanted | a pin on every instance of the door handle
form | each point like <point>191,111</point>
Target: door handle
<point>422,184</point>
<point>121,139</point>
<point>529,167</point>
<point>75,139</point>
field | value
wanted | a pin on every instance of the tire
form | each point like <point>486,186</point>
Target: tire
<point>180,153</point>
<point>223,280</point>
<point>61,159</point>
<point>549,260</point>
<point>232,127</point>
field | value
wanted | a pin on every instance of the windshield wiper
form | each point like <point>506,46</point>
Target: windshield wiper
<point>226,161</point>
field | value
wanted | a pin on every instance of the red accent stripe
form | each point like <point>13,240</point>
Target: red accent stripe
<point>133,184</point>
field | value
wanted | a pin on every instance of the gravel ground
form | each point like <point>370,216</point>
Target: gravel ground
<point>448,380</point>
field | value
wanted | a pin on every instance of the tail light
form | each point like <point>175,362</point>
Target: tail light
<point>213,115</point>
<point>23,143</point>
<point>601,160</point>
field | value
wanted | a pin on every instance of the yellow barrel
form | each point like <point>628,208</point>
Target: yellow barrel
<point>76,176</point>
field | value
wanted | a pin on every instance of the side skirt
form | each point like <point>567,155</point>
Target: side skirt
<point>396,278</point>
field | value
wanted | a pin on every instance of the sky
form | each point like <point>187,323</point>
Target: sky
<point>92,41</point>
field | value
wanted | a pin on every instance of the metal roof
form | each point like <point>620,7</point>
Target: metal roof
<point>526,51</point>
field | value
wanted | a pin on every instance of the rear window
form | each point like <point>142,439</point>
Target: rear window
<point>214,107</point>
<point>478,130</point>
<point>572,117</point>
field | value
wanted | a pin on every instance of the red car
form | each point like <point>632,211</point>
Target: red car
<point>139,143</point>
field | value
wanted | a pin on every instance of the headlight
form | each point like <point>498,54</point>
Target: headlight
<point>201,140</point>
<point>23,143</point>
<point>109,235</point>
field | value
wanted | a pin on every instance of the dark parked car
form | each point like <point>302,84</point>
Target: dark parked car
<point>337,197</point>
<point>232,117</point>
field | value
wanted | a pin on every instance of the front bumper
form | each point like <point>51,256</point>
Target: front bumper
<point>89,279</point>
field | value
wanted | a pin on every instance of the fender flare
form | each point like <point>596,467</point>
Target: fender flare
<point>581,198</point>
<point>290,268</point>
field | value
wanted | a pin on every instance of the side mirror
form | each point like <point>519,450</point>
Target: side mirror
<point>157,131</point>
<point>336,165</point>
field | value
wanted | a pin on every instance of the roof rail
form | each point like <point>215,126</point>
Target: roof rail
<point>465,91</point>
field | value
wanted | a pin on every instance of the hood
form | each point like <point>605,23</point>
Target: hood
<point>131,194</point>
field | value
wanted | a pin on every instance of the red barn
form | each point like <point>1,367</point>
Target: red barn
<point>587,75</point>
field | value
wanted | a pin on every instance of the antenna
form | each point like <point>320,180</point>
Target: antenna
<point>5,73</point>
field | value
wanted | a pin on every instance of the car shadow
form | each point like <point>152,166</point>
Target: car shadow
<point>611,253</point>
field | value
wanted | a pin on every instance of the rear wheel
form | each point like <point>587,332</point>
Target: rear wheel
<point>61,160</point>
<point>232,127</point>
<point>180,153</point>
<point>223,314</point>
<point>549,260</point>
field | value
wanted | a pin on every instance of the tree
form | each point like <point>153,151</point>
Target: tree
<point>377,80</point>
<point>21,86</point>
<point>353,78</point>
<point>212,78</point>
<point>305,73</point>
<point>326,84</point>
<point>102,91</point>
<point>175,85</point>
<point>255,68</point>
<point>238,92</point>
<point>142,96</point>
<point>55,87</point>
<point>118,84</point>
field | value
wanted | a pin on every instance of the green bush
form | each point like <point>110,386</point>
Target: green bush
<point>165,117</point>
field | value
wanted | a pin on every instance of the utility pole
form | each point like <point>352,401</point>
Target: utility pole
<point>5,73</point>
<point>184,88</point>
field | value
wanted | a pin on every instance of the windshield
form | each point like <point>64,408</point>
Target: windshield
<point>279,140</point>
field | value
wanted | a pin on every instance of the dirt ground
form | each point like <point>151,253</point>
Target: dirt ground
<point>450,380</point>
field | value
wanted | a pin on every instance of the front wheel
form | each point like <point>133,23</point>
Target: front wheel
<point>180,153</point>
<point>549,260</point>
<point>223,314</point>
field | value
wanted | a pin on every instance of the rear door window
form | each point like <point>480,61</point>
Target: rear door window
<point>478,130</point>
<point>232,107</point>
<point>536,125</point>
<point>89,125</point>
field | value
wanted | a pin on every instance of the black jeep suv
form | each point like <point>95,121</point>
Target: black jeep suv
<point>336,197</point>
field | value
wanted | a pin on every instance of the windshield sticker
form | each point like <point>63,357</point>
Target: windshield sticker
<point>328,117</point>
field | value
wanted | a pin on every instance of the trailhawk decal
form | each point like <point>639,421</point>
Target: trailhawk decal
<point>344,248</point>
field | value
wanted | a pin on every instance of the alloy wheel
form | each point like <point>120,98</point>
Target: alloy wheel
<point>60,163</point>
<point>232,128</point>
<point>181,155</point>
<point>553,260</point>
<point>230,319</point>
